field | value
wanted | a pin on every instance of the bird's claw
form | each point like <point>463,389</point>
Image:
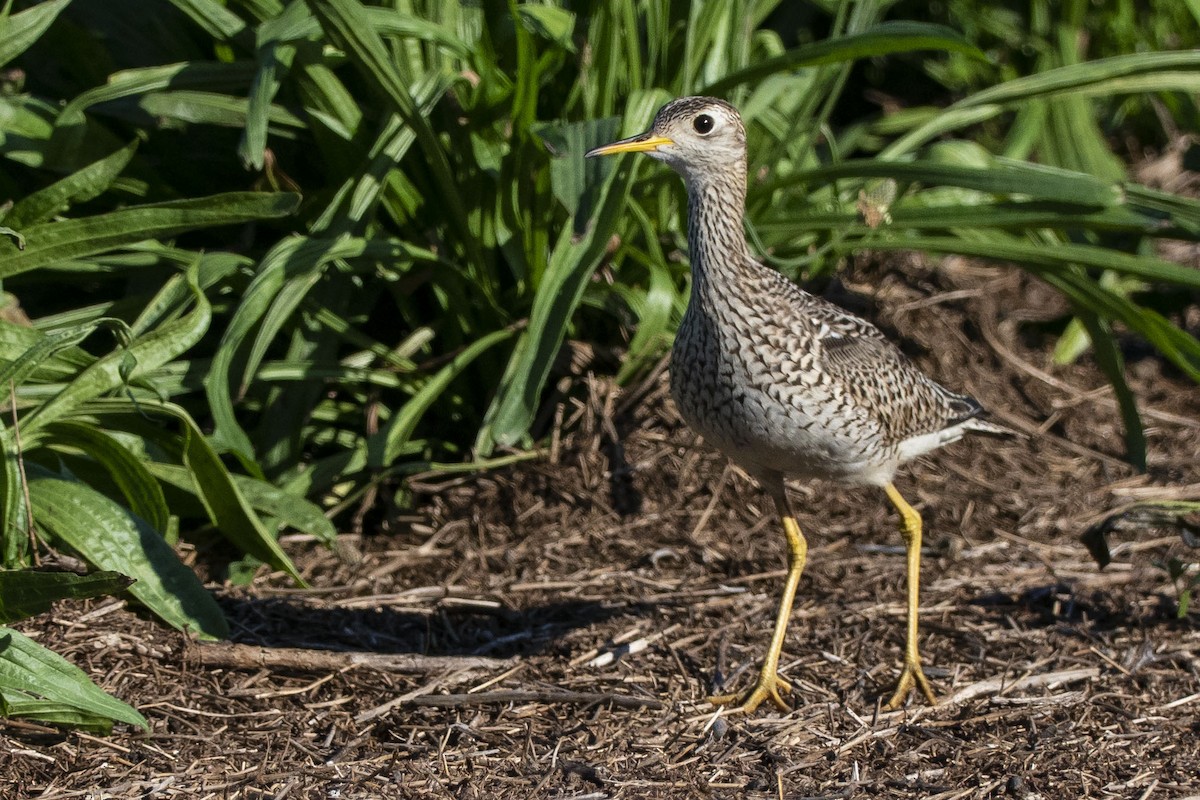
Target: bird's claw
<point>765,688</point>
<point>912,677</point>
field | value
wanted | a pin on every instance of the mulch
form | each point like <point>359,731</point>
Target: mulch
<point>551,630</point>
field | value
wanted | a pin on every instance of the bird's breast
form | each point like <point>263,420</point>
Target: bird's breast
<point>755,393</point>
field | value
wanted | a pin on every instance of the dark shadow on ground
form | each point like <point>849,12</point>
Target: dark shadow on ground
<point>443,630</point>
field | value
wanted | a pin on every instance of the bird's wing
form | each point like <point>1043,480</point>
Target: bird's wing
<point>873,370</point>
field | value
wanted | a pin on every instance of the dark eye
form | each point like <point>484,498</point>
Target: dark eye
<point>703,124</point>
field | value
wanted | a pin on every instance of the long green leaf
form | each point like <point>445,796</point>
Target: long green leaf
<point>78,238</point>
<point>128,472</point>
<point>574,258</point>
<point>141,357</point>
<point>294,258</point>
<point>87,183</point>
<point>39,684</point>
<point>1108,356</point>
<point>22,30</point>
<point>288,508</point>
<point>349,26</point>
<point>14,517</point>
<point>1163,72</point>
<point>384,447</point>
<point>886,38</point>
<point>1002,176</point>
<point>110,537</point>
<point>24,593</point>
<point>220,495</point>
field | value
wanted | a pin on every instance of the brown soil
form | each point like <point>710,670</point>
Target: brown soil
<point>552,630</point>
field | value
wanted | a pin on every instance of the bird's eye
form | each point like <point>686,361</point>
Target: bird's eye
<point>703,124</point>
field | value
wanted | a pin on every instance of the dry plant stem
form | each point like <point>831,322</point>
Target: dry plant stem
<point>244,656</point>
<point>534,696</point>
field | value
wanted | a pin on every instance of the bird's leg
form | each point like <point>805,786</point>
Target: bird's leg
<point>769,684</point>
<point>912,676</point>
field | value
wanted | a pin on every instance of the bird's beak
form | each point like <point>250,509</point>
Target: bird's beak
<point>642,143</point>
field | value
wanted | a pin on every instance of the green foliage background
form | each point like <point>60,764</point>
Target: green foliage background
<point>265,258</point>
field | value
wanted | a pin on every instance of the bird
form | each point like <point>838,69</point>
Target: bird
<point>785,383</point>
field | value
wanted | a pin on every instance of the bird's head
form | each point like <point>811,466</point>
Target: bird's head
<point>695,136</point>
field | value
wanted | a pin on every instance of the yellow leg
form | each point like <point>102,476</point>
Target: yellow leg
<point>912,676</point>
<point>769,684</point>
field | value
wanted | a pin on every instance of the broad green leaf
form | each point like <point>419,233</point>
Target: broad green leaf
<point>24,593</point>
<point>142,492</point>
<point>554,24</point>
<point>110,537</point>
<point>21,30</point>
<point>76,238</point>
<point>39,684</point>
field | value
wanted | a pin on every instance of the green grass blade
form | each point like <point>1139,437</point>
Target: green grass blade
<point>86,184</point>
<point>886,38</point>
<point>385,446</point>
<point>1108,356</point>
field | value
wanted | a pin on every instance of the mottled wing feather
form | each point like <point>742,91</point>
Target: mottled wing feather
<point>880,377</point>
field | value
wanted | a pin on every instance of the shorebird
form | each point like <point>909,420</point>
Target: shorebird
<point>787,384</point>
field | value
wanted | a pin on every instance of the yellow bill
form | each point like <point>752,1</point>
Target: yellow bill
<point>642,143</point>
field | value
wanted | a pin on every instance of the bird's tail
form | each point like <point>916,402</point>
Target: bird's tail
<point>981,424</point>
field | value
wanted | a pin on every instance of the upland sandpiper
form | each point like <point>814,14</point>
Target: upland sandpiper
<point>785,383</point>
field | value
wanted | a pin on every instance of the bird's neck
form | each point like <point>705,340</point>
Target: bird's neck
<point>716,239</point>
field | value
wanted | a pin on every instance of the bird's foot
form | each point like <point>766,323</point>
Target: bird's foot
<point>767,687</point>
<point>912,677</point>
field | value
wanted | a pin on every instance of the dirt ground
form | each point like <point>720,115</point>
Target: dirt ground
<point>552,630</point>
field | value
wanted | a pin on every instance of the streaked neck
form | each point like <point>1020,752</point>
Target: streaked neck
<point>716,239</point>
